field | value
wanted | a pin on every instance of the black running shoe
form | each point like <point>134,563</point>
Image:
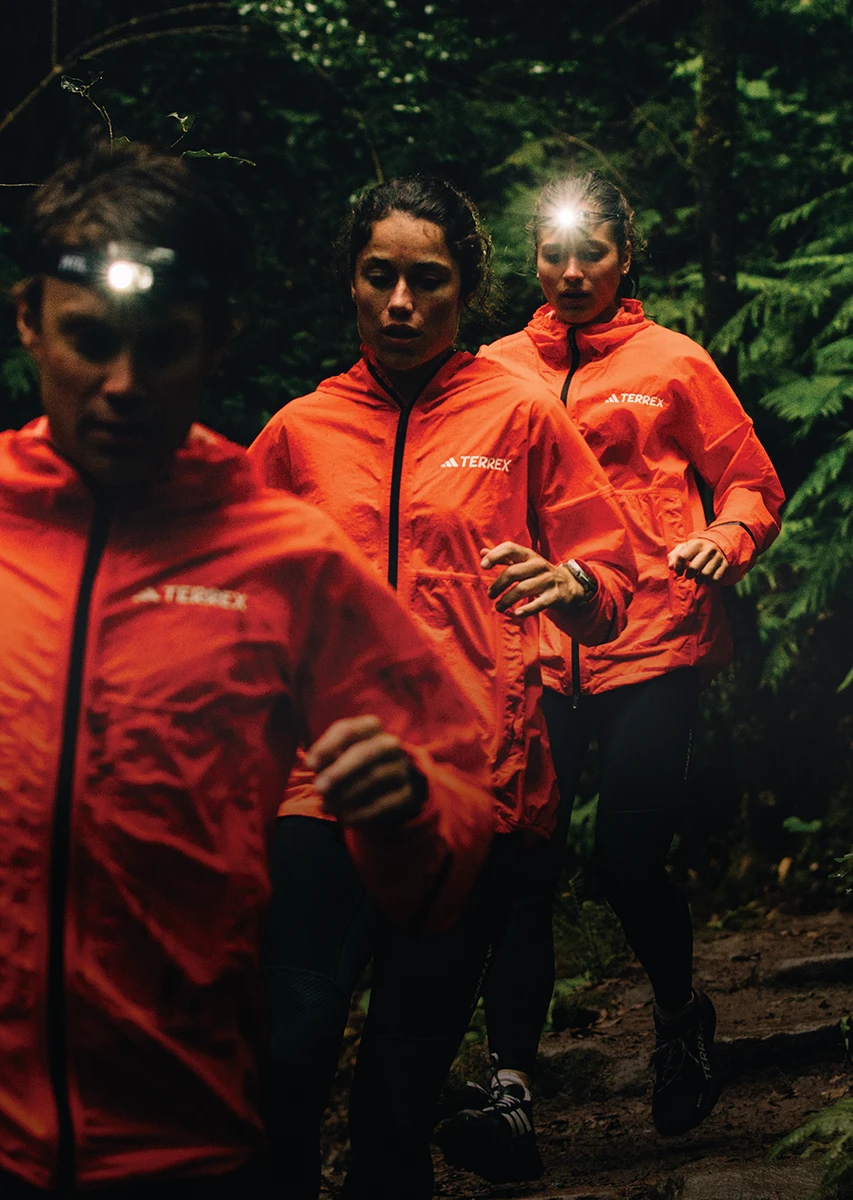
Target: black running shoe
<point>687,1084</point>
<point>496,1140</point>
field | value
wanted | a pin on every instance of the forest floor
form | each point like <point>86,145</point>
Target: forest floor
<point>782,1048</point>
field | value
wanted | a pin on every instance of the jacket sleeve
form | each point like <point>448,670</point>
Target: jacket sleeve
<point>575,514</point>
<point>719,440</point>
<point>361,654</point>
<point>270,454</point>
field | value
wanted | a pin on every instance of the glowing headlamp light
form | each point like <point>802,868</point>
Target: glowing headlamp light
<point>580,218</point>
<point>123,271</point>
<point>124,276</point>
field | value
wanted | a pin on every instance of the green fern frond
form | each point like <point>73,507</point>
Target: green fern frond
<point>825,473</point>
<point>841,263</point>
<point>830,1130</point>
<point>803,212</point>
<point>835,356</point>
<point>806,400</point>
<point>843,319</point>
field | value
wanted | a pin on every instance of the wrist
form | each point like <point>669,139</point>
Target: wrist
<point>587,581</point>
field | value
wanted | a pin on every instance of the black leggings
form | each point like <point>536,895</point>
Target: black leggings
<point>644,735</point>
<point>322,932</point>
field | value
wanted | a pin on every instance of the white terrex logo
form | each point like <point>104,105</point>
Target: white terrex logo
<point>187,593</point>
<point>634,398</point>
<point>479,461</point>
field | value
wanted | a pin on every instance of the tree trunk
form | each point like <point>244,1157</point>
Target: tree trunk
<point>713,165</point>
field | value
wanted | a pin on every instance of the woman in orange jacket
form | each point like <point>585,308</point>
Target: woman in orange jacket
<point>440,467</point>
<point>658,415</point>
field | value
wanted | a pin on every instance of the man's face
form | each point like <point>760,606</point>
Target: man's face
<point>121,382</point>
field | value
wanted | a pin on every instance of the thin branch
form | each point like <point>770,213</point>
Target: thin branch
<point>219,30</point>
<point>54,32</point>
<point>37,90</point>
<point>377,165</point>
<point>77,54</point>
<point>20,185</point>
<point>612,168</point>
<point>104,114</point>
<point>626,16</point>
<point>135,21</point>
<point>329,79</point>
<point>667,141</point>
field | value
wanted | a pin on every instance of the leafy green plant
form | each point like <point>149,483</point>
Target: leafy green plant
<point>796,339</point>
<point>588,939</point>
<point>830,1133</point>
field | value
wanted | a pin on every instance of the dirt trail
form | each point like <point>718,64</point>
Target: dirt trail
<point>782,1051</point>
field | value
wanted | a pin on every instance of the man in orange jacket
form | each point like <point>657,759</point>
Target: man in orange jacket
<point>171,632</point>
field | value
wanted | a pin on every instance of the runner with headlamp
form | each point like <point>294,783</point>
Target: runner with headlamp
<point>171,631</point>
<point>658,415</point>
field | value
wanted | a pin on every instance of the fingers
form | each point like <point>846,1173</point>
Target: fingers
<point>363,772</point>
<point>527,574</point>
<point>337,737</point>
<point>510,589</point>
<point>539,603</point>
<point>698,559</point>
<point>506,552</point>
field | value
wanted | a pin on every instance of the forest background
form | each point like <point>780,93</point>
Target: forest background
<point>729,124</point>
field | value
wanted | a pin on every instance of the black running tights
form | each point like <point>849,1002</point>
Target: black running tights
<point>322,932</point>
<point>644,733</point>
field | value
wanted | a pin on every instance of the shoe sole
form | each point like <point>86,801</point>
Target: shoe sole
<point>469,1147</point>
<point>675,1130</point>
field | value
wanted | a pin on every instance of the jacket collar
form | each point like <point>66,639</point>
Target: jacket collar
<point>208,470</point>
<point>366,381</point>
<point>550,335</point>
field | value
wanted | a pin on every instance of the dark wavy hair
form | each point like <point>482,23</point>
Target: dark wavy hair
<point>592,191</point>
<point>429,199</point>
<point>129,192</point>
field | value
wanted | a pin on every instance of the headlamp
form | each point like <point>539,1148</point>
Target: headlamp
<point>124,271</point>
<point>580,218</point>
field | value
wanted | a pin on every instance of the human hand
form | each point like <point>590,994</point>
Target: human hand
<point>698,559</point>
<point>363,773</point>
<point>529,578</point>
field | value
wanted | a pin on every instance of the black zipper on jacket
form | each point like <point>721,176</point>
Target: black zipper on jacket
<point>394,505</point>
<point>57,1017</point>
<point>405,408</point>
<point>434,890</point>
<point>574,363</point>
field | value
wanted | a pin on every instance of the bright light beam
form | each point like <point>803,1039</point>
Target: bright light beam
<point>568,218</point>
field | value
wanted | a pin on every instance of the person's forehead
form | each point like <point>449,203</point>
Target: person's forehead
<point>401,234</point>
<point>601,232</point>
<point>63,300</point>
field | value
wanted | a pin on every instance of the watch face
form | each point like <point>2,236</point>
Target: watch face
<point>588,584</point>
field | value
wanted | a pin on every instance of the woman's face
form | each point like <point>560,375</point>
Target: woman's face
<point>407,291</point>
<point>580,269</point>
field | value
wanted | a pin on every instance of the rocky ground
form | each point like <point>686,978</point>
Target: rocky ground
<point>781,991</point>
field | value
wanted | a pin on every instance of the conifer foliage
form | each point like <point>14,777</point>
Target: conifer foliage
<point>796,337</point>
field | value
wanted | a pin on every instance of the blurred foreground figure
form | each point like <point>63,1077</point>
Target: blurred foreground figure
<point>171,631</point>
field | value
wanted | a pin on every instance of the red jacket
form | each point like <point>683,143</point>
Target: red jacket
<point>161,661</point>
<point>656,412</point>
<point>476,460</point>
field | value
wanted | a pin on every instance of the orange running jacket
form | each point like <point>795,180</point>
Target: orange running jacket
<point>656,412</point>
<point>161,660</point>
<point>475,461</point>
